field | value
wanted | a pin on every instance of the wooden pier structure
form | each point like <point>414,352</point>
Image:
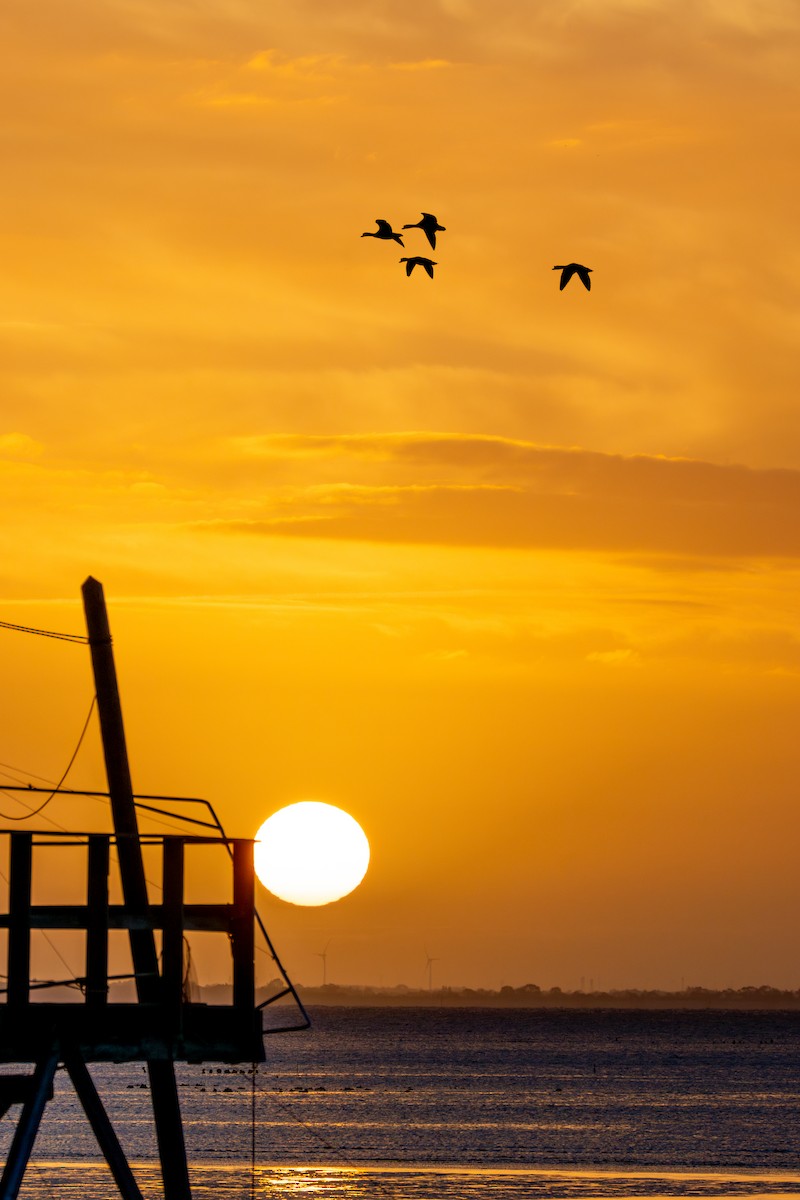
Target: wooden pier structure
<point>162,1026</point>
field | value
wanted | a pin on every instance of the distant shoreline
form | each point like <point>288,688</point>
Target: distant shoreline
<point>742,999</point>
<point>746,999</point>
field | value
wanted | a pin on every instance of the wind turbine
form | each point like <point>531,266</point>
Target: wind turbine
<point>324,956</point>
<point>429,961</point>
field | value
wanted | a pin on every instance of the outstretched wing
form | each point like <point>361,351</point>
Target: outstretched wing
<point>566,275</point>
<point>428,265</point>
<point>383,226</point>
<point>583,275</point>
<point>430,225</point>
<point>410,264</point>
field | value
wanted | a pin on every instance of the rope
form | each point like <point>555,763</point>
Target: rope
<point>253,1134</point>
<point>310,1129</point>
<point>35,811</point>
<point>61,637</point>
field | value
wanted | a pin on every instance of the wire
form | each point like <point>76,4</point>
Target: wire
<point>35,811</point>
<point>50,821</point>
<point>310,1129</point>
<point>27,787</point>
<point>270,952</point>
<point>14,779</point>
<point>78,981</point>
<point>137,798</point>
<point>56,951</point>
<point>253,1133</point>
<point>22,771</point>
<point>62,637</point>
<point>166,813</point>
<point>44,934</point>
<point>290,988</point>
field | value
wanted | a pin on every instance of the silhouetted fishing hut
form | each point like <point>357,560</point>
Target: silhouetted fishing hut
<point>162,1026</point>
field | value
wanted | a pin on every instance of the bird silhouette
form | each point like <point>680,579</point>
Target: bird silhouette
<point>429,226</point>
<point>385,232</point>
<point>570,269</point>
<point>416,261</point>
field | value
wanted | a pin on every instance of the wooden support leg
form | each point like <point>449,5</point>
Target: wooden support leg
<point>166,1109</point>
<point>103,1129</point>
<point>169,1130</point>
<point>28,1127</point>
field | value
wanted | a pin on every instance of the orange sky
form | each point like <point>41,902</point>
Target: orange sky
<point>509,574</point>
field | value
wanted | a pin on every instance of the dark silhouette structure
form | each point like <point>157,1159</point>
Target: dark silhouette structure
<point>162,1026</point>
<point>429,226</point>
<point>574,269</point>
<point>426,263</point>
<point>385,233</point>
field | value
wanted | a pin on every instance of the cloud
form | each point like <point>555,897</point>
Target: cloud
<point>305,67</point>
<point>187,187</point>
<point>424,64</point>
<point>559,468</point>
<point>19,445</point>
<point>615,658</point>
<point>492,491</point>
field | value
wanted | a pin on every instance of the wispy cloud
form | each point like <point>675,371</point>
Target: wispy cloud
<point>303,67</point>
<point>19,445</point>
<point>423,64</point>
<point>492,491</point>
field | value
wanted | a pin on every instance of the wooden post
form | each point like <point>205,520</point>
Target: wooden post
<point>19,918</point>
<point>172,944</point>
<point>107,1139</point>
<point>163,1087</point>
<point>97,921</point>
<point>243,932</point>
<point>28,1126</point>
<point>120,787</point>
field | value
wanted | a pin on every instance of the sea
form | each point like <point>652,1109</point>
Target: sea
<point>462,1104</point>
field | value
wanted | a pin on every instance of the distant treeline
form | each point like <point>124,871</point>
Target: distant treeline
<point>532,996</point>
<point>527,996</point>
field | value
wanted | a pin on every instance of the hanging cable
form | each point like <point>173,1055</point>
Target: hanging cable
<point>50,821</point>
<point>253,1133</point>
<point>341,1154</point>
<point>61,637</point>
<point>7,792</point>
<point>270,952</point>
<point>35,811</point>
<point>27,787</point>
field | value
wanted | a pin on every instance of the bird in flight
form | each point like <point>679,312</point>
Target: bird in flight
<point>385,232</point>
<point>416,261</point>
<point>429,226</point>
<point>570,269</point>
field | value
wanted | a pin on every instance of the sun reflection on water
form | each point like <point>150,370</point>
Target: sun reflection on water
<point>233,1182</point>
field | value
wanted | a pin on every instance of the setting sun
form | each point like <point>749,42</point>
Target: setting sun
<point>311,853</point>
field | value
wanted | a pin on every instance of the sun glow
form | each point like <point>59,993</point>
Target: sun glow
<point>311,853</point>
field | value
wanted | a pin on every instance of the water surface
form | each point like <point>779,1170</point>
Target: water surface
<point>424,1103</point>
